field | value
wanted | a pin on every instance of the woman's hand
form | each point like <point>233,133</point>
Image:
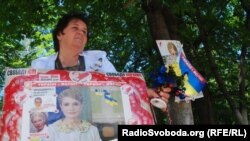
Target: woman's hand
<point>163,93</point>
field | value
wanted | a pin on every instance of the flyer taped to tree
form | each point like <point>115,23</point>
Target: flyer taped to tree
<point>72,105</point>
<point>178,67</point>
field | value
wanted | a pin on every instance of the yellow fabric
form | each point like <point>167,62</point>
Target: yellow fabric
<point>190,91</point>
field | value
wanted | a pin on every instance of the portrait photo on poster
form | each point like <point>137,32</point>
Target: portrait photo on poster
<point>71,120</point>
<point>170,50</point>
<point>38,126</point>
<point>86,111</point>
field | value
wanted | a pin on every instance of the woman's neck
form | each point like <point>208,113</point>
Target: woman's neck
<point>68,60</point>
<point>74,121</point>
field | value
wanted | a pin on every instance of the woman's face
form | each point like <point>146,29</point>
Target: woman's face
<point>71,107</point>
<point>74,36</point>
<point>38,103</point>
<point>38,122</point>
<point>172,50</point>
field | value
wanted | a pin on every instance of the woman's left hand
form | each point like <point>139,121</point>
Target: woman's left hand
<point>164,94</point>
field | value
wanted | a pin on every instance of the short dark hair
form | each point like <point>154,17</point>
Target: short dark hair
<point>63,22</point>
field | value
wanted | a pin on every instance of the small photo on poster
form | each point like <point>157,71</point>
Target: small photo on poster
<point>38,126</point>
<point>170,51</point>
<point>37,104</point>
<point>42,99</point>
<point>38,122</point>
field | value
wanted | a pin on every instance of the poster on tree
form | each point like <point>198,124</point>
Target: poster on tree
<point>186,82</point>
<point>63,105</point>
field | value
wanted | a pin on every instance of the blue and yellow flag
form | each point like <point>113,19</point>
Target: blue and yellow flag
<point>193,81</point>
<point>107,97</point>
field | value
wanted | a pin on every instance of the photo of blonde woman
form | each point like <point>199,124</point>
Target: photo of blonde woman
<point>71,127</point>
<point>173,54</point>
<point>172,49</point>
<point>39,122</point>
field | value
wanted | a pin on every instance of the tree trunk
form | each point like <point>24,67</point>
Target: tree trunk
<point>204,109</point>
<point>163,27</point>
<point>237,106</point>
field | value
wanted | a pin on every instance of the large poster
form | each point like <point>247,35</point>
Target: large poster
<point>72,105</point>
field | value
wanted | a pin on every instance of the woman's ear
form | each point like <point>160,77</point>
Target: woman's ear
<point>59,36</point>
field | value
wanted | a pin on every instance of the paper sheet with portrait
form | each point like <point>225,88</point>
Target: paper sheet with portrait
<point>173,55</point>
<point>36,101</point>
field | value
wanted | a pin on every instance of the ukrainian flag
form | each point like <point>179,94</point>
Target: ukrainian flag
<point>109,99</point>
<point>193,81</point>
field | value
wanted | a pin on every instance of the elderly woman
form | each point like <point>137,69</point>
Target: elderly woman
<point>72,127</point>
<point>39,120</point>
